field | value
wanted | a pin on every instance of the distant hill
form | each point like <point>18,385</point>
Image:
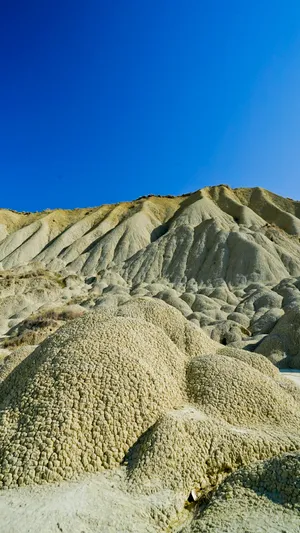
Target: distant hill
<point>228,259</point>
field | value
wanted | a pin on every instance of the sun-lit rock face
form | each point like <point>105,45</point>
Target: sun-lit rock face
<point>217,233</point>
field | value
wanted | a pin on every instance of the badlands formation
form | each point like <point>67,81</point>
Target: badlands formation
<point>144,351</point>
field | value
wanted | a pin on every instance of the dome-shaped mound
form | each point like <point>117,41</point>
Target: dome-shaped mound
<point>231,389</point>
<point>289,386</point>
<point>264,496</point>
<point>9,362</point>
<point>279,475</point>
<point>282,345</point>
<point>84,396</point>
<point>188,449</point>
<point>256,360</point>
<point>187,336</point>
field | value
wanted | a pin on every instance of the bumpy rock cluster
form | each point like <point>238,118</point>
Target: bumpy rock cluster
<point>188,449</point>
<point>187,337</point>
<point>239,394</point>
<point>238,415</point>
<point>142,384</point>
<point>262,497</point>
<point>85,396</point>
<point>282,345</point>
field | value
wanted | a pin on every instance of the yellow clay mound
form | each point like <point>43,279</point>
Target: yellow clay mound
<point>264,496</point>
<point>256,360</point>
<point>231,389</point>
<point>240,415</point>
<point>189,449</point>
<point>84,396</point>
<point>106,387</point>
<point>279,475</point>
<point>187,336</point>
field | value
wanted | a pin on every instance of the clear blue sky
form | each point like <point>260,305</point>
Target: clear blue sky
<point>103,101</point>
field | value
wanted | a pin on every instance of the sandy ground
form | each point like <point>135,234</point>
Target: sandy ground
<point>97,503</point>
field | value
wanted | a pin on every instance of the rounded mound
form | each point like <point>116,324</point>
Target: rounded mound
<point>279,476</point>
<point>9,362</point>
<point>257,361</point>
<point>187,449</point>
<point>230,389</point>
<point>281,346</point>
<point>264,496</point>
<point>84,396</point>
<point>188,337</point>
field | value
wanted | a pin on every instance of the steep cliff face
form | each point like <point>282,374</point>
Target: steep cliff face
<point>228,259</point>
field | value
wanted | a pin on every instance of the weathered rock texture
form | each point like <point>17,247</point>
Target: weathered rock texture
<point>263,497</point>
<point>141,384</point>
<point>148,334</point>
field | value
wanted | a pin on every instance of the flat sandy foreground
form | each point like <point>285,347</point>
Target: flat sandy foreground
<point>99,503</point>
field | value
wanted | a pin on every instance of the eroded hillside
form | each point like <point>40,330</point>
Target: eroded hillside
<point>227,259</point>
<point>139,388</point>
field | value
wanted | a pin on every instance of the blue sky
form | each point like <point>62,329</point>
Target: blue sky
<point>106,101</point>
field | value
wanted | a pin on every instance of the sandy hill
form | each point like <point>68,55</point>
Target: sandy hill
<point>140,351</point>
